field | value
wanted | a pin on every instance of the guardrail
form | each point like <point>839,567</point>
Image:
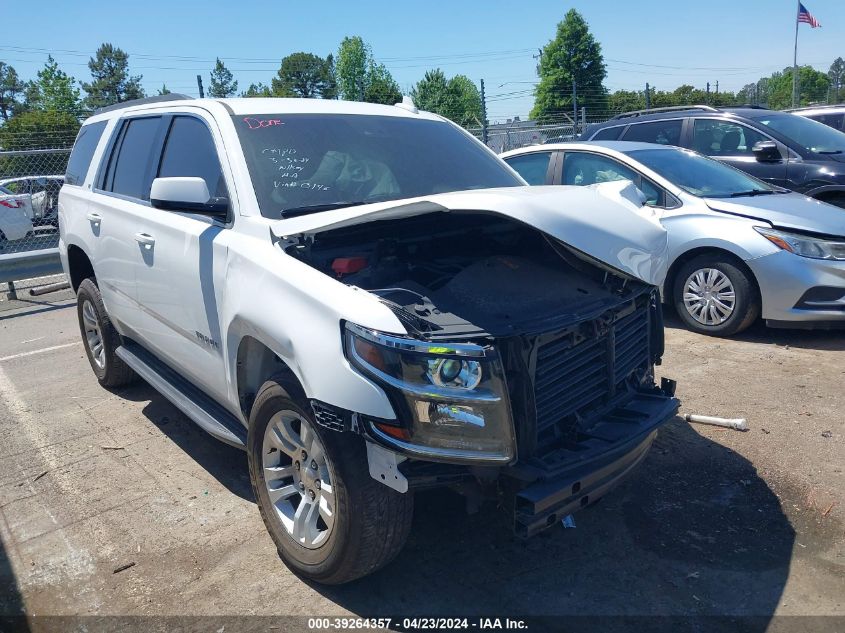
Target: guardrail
<point>28,264</point>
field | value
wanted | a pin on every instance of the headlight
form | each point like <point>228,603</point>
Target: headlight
<point>804,245</point>
<point>451,399</point>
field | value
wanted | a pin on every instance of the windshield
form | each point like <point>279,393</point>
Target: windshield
<point>699,175</point>
<point>811,135</point>
<point>314,162</point>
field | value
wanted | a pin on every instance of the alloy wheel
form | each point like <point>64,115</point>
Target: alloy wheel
<point>93,334</point>
<point>298,479</point>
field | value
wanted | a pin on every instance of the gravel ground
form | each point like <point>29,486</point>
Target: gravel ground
<point>715,522</point>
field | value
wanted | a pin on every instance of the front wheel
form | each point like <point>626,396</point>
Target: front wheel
<point>714,295</point>
<point>330,520</point>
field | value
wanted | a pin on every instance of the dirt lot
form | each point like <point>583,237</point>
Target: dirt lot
<point>715,522</point>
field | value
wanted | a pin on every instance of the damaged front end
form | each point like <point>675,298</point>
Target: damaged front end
<point>526,370</point>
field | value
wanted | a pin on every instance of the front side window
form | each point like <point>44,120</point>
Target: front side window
<point>83,151</point>
<point>724,138</point>
<point>532,167</point>
<point>129,172</point>
<point>306,163</point>
<point>583,168</point>
<point>662,132</point>
<point>189,151</point>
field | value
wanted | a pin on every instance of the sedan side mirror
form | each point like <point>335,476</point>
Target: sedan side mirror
<point>766,151</point>
<point>187,193</point>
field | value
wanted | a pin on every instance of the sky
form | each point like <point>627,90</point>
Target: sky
<point>664,42</point>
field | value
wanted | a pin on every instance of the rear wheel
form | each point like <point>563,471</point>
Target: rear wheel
<point>100,338</point>
<point>714,295</point>
<point>330,520</point>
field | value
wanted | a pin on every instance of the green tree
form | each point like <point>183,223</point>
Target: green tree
<point>360,78</point>
<point>380,86</point>
<point>110,79</point>
<point>573,55</point>
<point>53,90</point>
<point>625,101</point>
<point>457,98</point>
<point>164,90</point>
<point>11,90</point>
<point>304,75</point>
<point>353,59</point>
<point>330,89</point>
<point>836,74</point>
<point>258,90</point>
<point>813,87</point>
<point>221,84</point>
<point>37,129</point>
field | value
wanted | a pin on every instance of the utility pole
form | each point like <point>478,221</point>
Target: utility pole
<point>574,107</point>
<point>483,114</point>
<point>795,61</point>
<point>199,85</point>
<point>708,93</point>
<point>647,97</point>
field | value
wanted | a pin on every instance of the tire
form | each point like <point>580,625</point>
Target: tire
<point>368,523</point>
<point>99,337</point>
<point>712,318</point>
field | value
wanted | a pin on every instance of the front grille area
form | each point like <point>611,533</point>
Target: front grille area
<point>577,374</point>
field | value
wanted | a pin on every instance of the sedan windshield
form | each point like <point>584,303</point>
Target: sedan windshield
<point>811,135</point>
<point>699,175</point>
<point>307,163</point>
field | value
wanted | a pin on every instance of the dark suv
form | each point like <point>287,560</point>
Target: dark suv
<point>781,148</point>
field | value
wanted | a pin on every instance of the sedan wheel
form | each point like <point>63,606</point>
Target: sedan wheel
<point>709,296</point>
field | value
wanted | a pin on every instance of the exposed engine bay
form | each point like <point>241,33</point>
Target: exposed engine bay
<point>468,274</point>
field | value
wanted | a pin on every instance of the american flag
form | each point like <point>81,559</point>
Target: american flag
<point>806,16</point>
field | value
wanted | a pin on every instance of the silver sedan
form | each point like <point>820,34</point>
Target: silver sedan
<point>739,248</point>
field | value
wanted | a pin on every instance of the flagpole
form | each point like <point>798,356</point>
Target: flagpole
<point>795,60</point>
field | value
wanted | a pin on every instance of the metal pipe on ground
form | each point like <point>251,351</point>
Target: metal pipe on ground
<point>43,290</point>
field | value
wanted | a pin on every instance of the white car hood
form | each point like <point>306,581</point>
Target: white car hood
<point>606,221</point>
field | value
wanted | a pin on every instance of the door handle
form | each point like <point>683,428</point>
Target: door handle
<point>96,218</point>
<point>145,239</point>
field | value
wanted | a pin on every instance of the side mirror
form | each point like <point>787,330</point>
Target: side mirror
<point>187,194</point>
<point>766,151</point>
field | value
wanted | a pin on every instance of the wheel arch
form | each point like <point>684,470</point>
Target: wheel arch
<point>691,254</point>
<point>255,362</point>
<point>79,266</point>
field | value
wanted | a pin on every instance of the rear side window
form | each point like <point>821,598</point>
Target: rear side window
<point>662,132</point>
<point>83,152</point>
<point>836,121</point>
<point>190,151</point>
<point>532,167</point>
<point>608,133</point>
<point>129,171</point>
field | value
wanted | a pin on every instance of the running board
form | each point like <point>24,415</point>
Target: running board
<point>206,413</point>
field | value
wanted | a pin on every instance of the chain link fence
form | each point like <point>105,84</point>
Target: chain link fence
<point>515,133</point>
<point>30,181</point>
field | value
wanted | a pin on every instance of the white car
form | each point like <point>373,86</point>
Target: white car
<point>15,222</point>
<point>368,301</point>
<point>43,194</point>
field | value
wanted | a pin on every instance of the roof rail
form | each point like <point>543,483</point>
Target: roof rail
<point>634,113</point>
<point>172,96</point>
<point>744,106</point>
<point>820,106</point>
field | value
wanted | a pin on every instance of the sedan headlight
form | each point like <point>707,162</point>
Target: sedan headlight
<point>451,399</point>
<point>804,245</point>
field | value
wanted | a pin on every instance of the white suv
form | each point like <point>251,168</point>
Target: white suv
<point>368,301</point>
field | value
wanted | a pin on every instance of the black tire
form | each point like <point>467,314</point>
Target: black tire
<point>747,305</point>
<point>371,521</point>
<point>112,371</point>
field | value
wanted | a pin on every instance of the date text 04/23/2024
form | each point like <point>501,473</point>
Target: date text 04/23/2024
<point>418,624</point>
